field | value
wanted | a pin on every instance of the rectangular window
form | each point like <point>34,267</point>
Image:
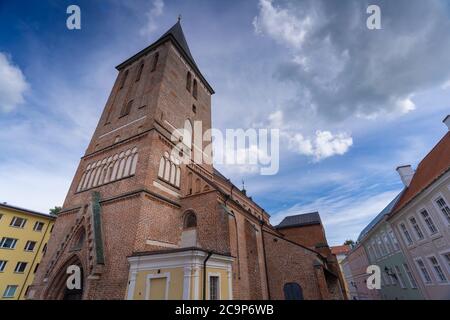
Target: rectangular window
<point>213,288</point>
<point>20,267</point>
<point>10,291</point>
<point>399,274</point>
<point>38,226</point>
<point>376,250</point>
<point>3,265</point>
<point>444,208</point>
<point>8,243</point>
<point>371,255</point>
<point>429,221</point>
<point>394,240</point>
<point>387,243</point>
<point>382,247</point>
<point>36,268</point>
<point>406,234</point>
<point>424,271</point>
<point>440,276</point>
<point>29,246</point>
<point>18,222</point>
<point>416,228</point>
<point>412,281</point>
<point>447,259</point>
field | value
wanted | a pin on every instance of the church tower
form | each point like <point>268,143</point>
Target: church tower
<point>148,217</point>
<point>126,193</point>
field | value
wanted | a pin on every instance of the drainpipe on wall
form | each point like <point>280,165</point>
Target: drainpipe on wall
<point>204,273</point>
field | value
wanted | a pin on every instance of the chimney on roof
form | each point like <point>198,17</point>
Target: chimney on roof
<point>406,174</point>
<point>446,121</point>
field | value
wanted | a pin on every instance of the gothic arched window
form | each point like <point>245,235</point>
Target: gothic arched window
<point>292,291</point>
<point>126,109</point>
<point>155,61</point>
<point>190,220</point>
<point>194,89</point>
<point>79,239</point>
<point>169,170</point>
<point>188,81</point>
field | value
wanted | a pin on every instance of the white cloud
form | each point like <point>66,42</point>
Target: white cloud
<point>406,105</point>
<point>12,84</point>
<point>342,70</point>
<point>281,24</point>
<point>155,11</point>
<point>323,145</point>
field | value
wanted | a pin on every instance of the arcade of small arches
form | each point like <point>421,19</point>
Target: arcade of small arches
<point>121,165</point>
<point>169,170</point>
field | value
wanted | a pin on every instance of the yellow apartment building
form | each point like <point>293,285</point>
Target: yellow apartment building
<point>23,241</point>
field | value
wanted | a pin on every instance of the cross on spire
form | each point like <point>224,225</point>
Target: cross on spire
<point>179,17</point>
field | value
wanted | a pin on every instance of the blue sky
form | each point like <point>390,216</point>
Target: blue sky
<point>351,103</point>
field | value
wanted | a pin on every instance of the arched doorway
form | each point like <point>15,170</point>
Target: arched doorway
<point>58,290</point>
<point>293,291</point>
<point>76,293</point>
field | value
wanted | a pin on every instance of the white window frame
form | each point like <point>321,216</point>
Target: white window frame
<point>8,289</point>
<point>376,250</point>
<point>408,244</point>
<point>3,265</point>
<point>439,211</point>
<point>419,213</point>
<point>395,243</point>
<point>436,276</point>
<point>38,223</point>
<point>27,245</point>
<point>421,273</point>
<point>409,274</point>
<point>380,243</point>
<point>389,246</point>
<point>157,276</point>
<point>446,263</point>
<point>14,219</point>
<point>416,234</point>
<point>214,274</point>
<point>20,263</point>
<point>400,279</point>
<point>3,240</point>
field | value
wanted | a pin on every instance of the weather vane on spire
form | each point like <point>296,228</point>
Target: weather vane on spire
<point>179,17</point>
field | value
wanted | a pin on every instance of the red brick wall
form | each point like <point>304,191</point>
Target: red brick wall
<point>288,262</point>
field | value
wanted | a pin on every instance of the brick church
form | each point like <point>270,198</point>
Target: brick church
<point>141,224</point>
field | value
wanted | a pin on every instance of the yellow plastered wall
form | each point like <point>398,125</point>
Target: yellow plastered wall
<point>18,254</point>
<point>223,282</point>
<point>175,276</point>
